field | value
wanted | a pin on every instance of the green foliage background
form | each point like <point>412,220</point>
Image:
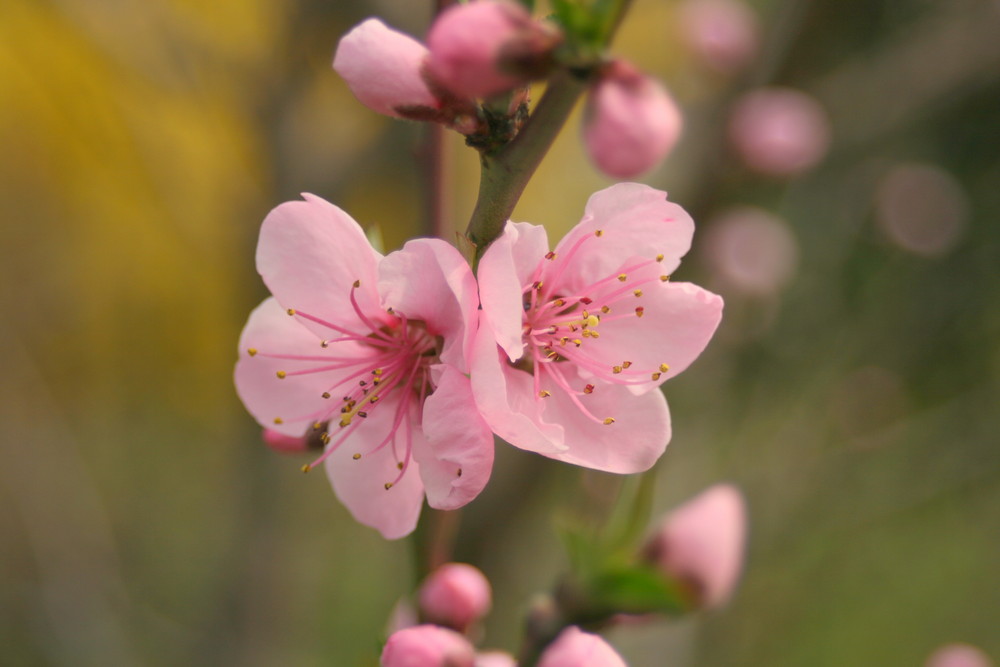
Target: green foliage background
<point>143,522</point>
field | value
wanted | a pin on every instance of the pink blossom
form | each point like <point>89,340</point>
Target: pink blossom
<point>723,33</point>
<point>752,250</point>
<point>701,543</point>
<point>958,655</point>
<point>575,648</point>
<point>384,69</point>
<point>475,47</point>
<point>779,131</point>
<point>427,646</point>
<point>455,595</point>
<point>575,343</point>
<point>631,123</point>
<point>368,353</point>
<point>495,659</point>
<point>285,444</point>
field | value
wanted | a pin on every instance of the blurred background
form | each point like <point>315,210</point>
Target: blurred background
<point>852,391</point>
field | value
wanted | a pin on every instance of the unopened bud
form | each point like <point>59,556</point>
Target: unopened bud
<point>285,444</point>
<point>427,646</point>
<point>483,48</point>
<point>631,122</point>
<point>495,659</point>
<point>383,68</point>
<point>721,33</point>
<point>455,595</point>
<point>700,544</point>
<point>958,655</point>
<point>779,131</point>
<point>575,648</point>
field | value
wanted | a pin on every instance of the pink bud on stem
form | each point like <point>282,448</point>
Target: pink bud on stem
<point>779,131</point>
<point>631,122</point>
<point>701,544</point>
<point>575,648</point>
<point>455,595</point>
<point>427,646</point>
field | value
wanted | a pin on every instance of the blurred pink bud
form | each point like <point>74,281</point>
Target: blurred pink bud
<point>575,648</point>
<point>722,33</point>
<point>495,659</point>
<point>383,68</point>
<point>752,250</point>
<point>958,655</point>
<point>285,444</point>
<point>487,47</point>
<point>631,122</point>
<point>428,646</point>
<point>455,595</point>
<point>779,131</point>
<point>922,209</point>
<point>701,543</point>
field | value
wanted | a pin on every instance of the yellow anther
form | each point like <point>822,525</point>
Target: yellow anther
<point>616,369</point>
<point>373,398</point>
<point>536,285</point>
<point>585,314</point>
<point>599,233</point>
<point>609,420</point>
<point>279,420</point>
<point>659,258</point>
<point>290,311</point>
<point>281,375</point>
<point>594,334</point>
<point>637,292</point>
<point>388,485</point>
<point>586,333</point>
<point>664,368</point>
<point>357,283</point>
<point>317,426</point>
<point>377,371</point>
<point>252,351</point>
<point>324,438</point>
<point>639,311</point>
<point>656,376</point>
<point>325,394</point>
<point>544,394</point>
<point>626,364</point>
<point>346,420</point>
<point>563,341</point>
<point>577,342</point>
<point>664,279</point>
<point>605,309</point>
<point>356,457</point>
<point>399,465</point>
<point>622,277</point>
<point>559,303</point>
<point>363,414</point>
<point>306,468</point>
<point>573,327</point>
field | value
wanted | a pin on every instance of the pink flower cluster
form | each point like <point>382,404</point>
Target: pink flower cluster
<point>485,48</point>
<point>402,367</point>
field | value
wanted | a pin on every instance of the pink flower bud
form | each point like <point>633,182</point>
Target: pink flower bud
<point>751,250</point>
<point>631,122</point>
<point>575,648</point>
<point>958,655</point>
<point>383,68</point>
<point>428,646</point>
<point>722,33</point>
<point>779,131</point>
<point>495,659</point>
<point>455,595</point>
<point>701,543</point>
<point>483,48</point>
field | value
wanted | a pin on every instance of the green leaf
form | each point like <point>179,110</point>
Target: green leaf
<point>637,590</point>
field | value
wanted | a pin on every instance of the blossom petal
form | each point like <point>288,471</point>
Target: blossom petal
<point>633,443</point>
<point>383,68</point>
<point>289,405</point>
<point>309,254</point>
<point>506,400</point>
<point>505,268</point>
<point>360,483</point>
<point>458,461</point>
<point>429,280</point>
<point>678,321</point>
<point>630,217</point>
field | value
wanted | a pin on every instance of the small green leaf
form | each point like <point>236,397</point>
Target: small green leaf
<point>637,590</point>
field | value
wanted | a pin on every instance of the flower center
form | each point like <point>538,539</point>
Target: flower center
<point>562,325</point>
<point>391,356</point>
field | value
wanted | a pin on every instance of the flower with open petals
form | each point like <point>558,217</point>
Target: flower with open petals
<point>574,343</point>
<point>368,353</point>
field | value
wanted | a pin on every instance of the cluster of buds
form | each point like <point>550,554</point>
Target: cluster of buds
<point>472,75</point>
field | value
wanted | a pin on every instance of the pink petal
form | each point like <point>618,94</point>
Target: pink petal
<point>505,267</point>
<point>506,400</point>
<point>458,460</point>
<point>309,254</point>
<point>632,217</point>
<point>429,280</point>
<point>360,484</point>
<point>678,321</point>
<point>294,399</point>
<point>631,444</point>
<point>575,648</point>
<point>383,68</point>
